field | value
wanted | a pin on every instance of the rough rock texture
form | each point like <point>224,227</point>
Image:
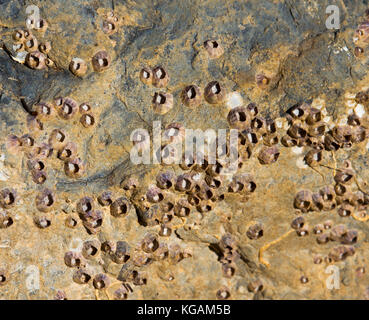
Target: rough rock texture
<point>287,42</point>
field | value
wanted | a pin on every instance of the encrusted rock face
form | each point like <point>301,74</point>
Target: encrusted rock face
<point>80,219</point>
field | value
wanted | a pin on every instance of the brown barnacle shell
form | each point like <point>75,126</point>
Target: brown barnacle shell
<point>84,206</point>
<point>175,253</point>
<point>270,140</point>
<point>18,36</point>
<point>205,206</point>
<point>44,110</point>
<point>45,200</point>
<point>239,118</point>
<point>288,142</point>
<point>362,97</point>
<point>213,48</point>
<point>120,252</point>
<point>92,221</point>
<point>141,259</point>
<point>38,176</point>
<point>5,219</point>
<point>229,269</point>
<point>337,232</point>
<point>223,293</point>
<point>78,67</point>
<point>359,134</point>
<point>165,180</point>
<point>67,152</point>
<point>36,60</point>
<point>255,231</point>
<point>298,223</point>
<point>108,247</point>
<point>165,231</point>
<point>160,77</point>
<point>358,52</point>
<point>262,81</point>
<point>314,116</point>
<point>184,183</point>
<point>105,199</point>
<point>174,132</point>
<point>57,139</point>
<point>341,189</point>
<point>303,200</point>
<point>45,47</point>
<point>342,134</point>
<point>344,176</point>
<point>120,207</point>
<point>73,259</point>
<point>8,198</point>
<point>4,276</point>
<point>317,129</point>
<point>162,252</point>
<point>101,61</point>
<point>318,202</point>
<point>350,237</point>
<point>146,75</point>
<point>109,26</point>
<point>268,155</point>
<point>74,168</point>
<point>101,281</point>
<point>84,108</point>
<point>82,276</point>
<point>330,143</point>
<point>191,96</point>
<point>44,151</point>
<point>87,120</point>
<point>162,102</point>
<point>313,157</point>
<point>41,25</point>
<point>214,92</point>
<point>31,44</point>
<point>90,249</point>
<point>297,131</point>
<point>329,197</point>
<point>361,35</point>
<point>150,243</point>
<point>154,194</point>
<point>345,210</point>
<point>27,141</point>
<point>299,111</point>
<point>68,109</point>
<point>243,183</point>
<point>42,222</point>
<point>338,253</point>
<point>182,208</point>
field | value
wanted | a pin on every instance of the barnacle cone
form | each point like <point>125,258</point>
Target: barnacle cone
<point>91,97</point>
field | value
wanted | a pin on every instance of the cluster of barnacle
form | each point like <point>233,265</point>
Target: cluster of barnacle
<point>361,36</point>
<point>110,23</point>
<point>253,129</point>
<point>7,201</point>
<point>339,196</point>
<point>28,48</point>
<point>339,233</point>
<point>307,128</point>
<point>229,255</point>
<point>65,151</point>
<point>214,92</point>
<point>83,273</point>
<point>100,62</point>
<point>199,189</point>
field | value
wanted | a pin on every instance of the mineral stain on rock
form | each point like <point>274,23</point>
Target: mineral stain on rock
<point>82,221</point>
